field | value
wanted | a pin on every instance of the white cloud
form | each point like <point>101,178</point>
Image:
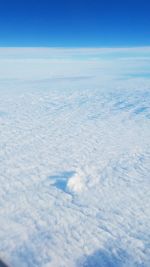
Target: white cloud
<point>82,126</point>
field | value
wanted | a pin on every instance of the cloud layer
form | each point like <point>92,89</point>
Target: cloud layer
<point>74,159</point>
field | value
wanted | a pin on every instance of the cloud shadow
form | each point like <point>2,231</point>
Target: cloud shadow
<point>60,180</point>
<point>104,258</point>
<point>2,264</point>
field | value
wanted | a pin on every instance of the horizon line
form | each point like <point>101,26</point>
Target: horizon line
<point>81,48</point>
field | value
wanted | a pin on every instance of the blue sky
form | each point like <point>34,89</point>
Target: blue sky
<point>80,23</point>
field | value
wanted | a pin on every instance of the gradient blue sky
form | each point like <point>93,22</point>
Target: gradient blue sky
<point>79,23</point>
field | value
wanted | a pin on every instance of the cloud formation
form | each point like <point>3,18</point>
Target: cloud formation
<point>74,161</point>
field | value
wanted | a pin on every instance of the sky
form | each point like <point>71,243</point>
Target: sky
<point>80,23</point>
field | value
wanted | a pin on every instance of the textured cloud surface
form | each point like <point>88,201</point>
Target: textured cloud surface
<point>75,157</point>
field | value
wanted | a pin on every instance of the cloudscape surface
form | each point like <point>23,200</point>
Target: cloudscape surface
<point>75,157</point>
